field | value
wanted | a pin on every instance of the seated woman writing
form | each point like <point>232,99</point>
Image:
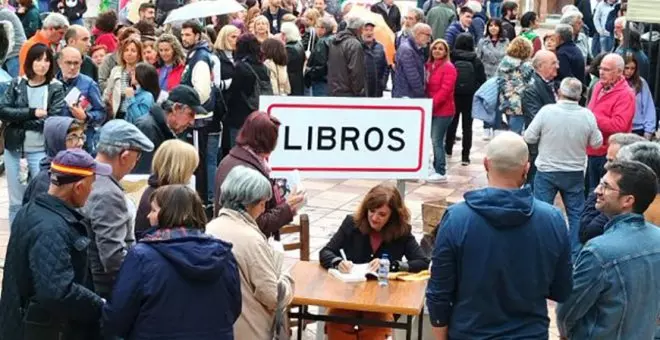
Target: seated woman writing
<point>381,225</point>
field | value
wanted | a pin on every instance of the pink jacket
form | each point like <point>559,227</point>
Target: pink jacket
<point>441,81</point>
<point>614,112</point>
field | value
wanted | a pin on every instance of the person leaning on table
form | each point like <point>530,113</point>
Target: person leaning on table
<point>244,194</point>
<point>381,225</point>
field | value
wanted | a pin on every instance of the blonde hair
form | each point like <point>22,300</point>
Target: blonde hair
<point>260,19</point>
<point>175,162</point>
<point>288,18</point>
<point>312,15</point>
<point>221,43</point>
<point>520,48</point>
<point>291,31</point>
<point>439,41</point>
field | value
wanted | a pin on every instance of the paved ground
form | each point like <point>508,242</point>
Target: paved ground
<point>331,200</point>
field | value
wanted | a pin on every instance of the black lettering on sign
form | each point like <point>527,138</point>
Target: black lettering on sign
<point>396,138</point>
<point>355,134</point>
<point>310,137</point>
<point>288,146</point>
<point>326,133</point>
<point>367,138</point>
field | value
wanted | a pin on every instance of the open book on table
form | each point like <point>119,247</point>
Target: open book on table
<point>359,273</point>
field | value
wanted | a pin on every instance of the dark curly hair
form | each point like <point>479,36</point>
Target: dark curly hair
<point>107,21</point>
<point>384,194</point>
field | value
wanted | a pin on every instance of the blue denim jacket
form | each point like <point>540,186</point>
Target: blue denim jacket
<point>616,284</point>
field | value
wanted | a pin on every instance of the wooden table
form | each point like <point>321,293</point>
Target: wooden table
<point>315,287</point>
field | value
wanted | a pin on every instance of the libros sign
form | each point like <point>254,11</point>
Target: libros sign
<point>332,137</point>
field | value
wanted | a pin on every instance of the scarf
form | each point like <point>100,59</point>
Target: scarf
<point>155,234</point>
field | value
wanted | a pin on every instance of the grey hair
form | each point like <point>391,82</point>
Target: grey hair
<point>419,14</point>
<point>55,20</point>
<point>618,60</point>
<point>643,152</point>
<point>328,24</point>
<point>111,151</point>
<point>420,26</point>
<point>507,152</point>
<point>290,31</point>
<point>569,8</point>
<point>624,139</point>
<point>353,23</point>
<point>565,32</point>
<point>571,89</point>
<point>475,6</point>
<point>571,17</point>
<point>243,187</point>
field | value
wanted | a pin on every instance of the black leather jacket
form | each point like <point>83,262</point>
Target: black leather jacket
<point>19,117</point>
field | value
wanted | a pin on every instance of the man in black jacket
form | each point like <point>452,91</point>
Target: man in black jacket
<point>46,292</point>
<point>390,12</point>
<point>167,120</point>
<point>274,14</point>
<point>509,14</point>
<point>539,93</point>
<point>346,75</point>
<point>316,74</point>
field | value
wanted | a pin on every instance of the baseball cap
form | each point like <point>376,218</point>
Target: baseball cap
<point>369,22</point>
<point>123,134</point>
<point>72,165</point>
<point>186,95</point>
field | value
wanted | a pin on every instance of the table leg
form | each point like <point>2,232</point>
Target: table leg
<point>420,326</point>
<point>409,327</point>
<point>301,321</point>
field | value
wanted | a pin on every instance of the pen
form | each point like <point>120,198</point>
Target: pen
<point>343,254</point>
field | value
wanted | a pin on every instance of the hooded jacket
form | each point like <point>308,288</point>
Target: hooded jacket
<point>18,37</point>
<point>55,131</point>
<point>176,284</point>
<point>346,75</point>
<point>498,256</point>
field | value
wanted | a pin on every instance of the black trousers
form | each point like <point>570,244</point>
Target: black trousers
<point>464,113</point>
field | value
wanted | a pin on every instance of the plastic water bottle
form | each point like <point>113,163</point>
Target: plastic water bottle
<point>383,270</point>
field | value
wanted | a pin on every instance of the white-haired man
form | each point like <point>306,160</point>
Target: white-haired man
<point>50,34</point>
<point>563,131</point>
<point>575,19</point>
<point>613,104</point>
<point>409,75</point>
<point>499,255</point>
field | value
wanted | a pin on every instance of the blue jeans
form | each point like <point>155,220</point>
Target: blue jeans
<point>319,89</point>
<point>516,123</point>
<point>595,44</point>
<point>595,171</point>
<point>11,66</point>
<point>606,44</point>
<point>212,147</point>
<point>15,188</point>
<point>495,8</point>
<point>570,186</point>
<point>439,127</point>
<point>233,133</point>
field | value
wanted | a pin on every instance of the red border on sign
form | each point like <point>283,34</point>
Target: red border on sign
<point>359,107</point>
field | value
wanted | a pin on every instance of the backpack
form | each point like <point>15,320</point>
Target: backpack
<point>261,88</point>
<point>465,82</point>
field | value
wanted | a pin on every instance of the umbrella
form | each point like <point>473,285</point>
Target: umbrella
<point>203,9</point>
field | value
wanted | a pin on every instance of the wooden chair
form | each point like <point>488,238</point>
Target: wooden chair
<point>303,239</point>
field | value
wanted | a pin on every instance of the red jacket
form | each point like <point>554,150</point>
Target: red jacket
<point>174,78</point>
<point>106,39</point>
<point>614,112</point>
<point>440,87</point>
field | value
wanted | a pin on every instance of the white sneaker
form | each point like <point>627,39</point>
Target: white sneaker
<point>488,134</point>
<point>437,178</point>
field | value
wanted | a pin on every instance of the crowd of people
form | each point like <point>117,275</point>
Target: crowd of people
<point>83,106</point>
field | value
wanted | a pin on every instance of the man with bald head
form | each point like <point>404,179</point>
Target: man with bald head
<point>79,38</point>
<point>613,105</point>
<point>499,255</point>
<point>83,96</point>
<point>539,93</point>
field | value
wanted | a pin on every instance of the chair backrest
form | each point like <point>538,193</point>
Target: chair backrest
<point>303,240</point>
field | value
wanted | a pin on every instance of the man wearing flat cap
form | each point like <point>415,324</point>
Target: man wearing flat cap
<point>46,293</point>
<point>167,120</point>
<point>110,212</point>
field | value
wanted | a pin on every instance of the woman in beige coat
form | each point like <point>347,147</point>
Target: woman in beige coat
<point>276,60</point>
<point>244,195</point>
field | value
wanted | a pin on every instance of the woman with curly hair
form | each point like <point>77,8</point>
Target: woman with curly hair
<point>380,225</point>
<point>119,88</point>
<point>515,72</point>
<point>171,61</point>
<point>103,31</point>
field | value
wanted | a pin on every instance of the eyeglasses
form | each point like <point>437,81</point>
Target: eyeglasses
<point>606,186</point>
<point>75,138</point>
